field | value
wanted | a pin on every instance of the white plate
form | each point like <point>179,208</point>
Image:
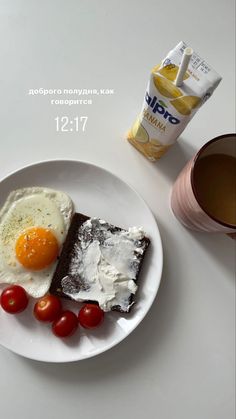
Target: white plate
<point>95,192</point>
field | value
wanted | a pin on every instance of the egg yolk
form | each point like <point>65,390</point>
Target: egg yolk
<point>36,248</point>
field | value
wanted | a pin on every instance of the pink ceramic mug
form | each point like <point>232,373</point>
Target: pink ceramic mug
<point>204,195</point>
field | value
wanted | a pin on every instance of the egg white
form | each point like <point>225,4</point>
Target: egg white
<point>26,208</point>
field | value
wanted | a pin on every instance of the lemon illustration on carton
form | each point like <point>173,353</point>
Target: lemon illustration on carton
<point>152,149</point>
<point>156,68</point>
<point>158,149</point>
<point>166,87</point>
<point>139,132</point>
<point>170,72</point>
<point>185,104</point>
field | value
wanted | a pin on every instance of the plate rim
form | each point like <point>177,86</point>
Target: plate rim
<point>146,309</point>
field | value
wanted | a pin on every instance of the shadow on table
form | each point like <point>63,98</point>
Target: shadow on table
<point>219,246</point>
<point>175,159</point>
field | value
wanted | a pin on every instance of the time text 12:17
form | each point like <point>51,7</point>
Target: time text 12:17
<point>66,124</point>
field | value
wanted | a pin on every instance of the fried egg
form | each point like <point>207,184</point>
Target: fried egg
<point>33,226</point>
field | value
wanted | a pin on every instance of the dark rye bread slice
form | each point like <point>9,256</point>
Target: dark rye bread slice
<point>68,251</point>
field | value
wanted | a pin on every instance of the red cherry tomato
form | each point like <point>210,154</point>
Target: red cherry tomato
<point>90,316</point>
<point>65,325</point>
<point>48,308</point>
<point>14,299</point>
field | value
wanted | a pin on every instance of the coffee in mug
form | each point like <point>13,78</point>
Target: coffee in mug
<point>204,195</point>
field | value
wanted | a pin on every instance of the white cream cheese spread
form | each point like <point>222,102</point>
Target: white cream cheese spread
<point>104,264</point>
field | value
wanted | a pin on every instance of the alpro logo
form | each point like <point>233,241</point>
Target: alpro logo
<point>160,107</point>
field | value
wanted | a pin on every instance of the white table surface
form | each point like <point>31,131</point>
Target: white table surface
<point>179,363</point>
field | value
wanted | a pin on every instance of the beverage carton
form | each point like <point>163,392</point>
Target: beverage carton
<point>168,106</point>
